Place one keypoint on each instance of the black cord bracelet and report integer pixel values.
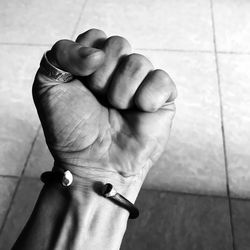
(66, 179)
(110, 193)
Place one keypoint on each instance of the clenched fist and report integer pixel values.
(110, 123)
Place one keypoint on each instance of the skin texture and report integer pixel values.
(110, 124)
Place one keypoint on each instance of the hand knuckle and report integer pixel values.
(59, 45)
(131, 63)
(135, 62)
(91, 32)
(137, 59)
(145, 102)
(96, 32)
(163, 76)
(167, 82)
(118, 42)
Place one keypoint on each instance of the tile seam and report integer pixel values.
(19, 181)
(143, 49)
(222, 125)
(9, 176)
(26, 44)
(233, 52)
(79, 19)
(175, 50)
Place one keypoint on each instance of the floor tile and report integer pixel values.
(20, 211)
(235, 78)
(193, 160)
(173, 24)
(34, 21)
(40, 159)
(7, 187)
(19, 120)
(179, 222)
(241, 223)
(232, 25)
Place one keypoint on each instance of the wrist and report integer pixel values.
(90, 180)
(73, 218)
(91, 221)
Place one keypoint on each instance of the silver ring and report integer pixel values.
(48, 69)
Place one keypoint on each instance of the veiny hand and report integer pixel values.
(114, 119)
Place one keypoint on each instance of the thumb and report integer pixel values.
(74, 58)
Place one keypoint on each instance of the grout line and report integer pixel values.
(186, 193)
(31, 177)
(19, 180)
(27, 44)
(246, 199)
(233, 52)
(79, 19)
(222, 125)
(44, 44)
(195, 51)
(9, 176)
(175, 50)
(143, 49)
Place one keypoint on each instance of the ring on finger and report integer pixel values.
(51, 71)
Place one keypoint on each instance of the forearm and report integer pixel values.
(75, 218)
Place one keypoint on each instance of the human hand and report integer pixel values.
(113, 120)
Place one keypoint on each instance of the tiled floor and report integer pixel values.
(204, 45)
(179, 222)
(188, 25)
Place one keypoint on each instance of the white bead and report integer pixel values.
(109, 193)
(67, 178)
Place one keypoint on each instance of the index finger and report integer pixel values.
(74, 58)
